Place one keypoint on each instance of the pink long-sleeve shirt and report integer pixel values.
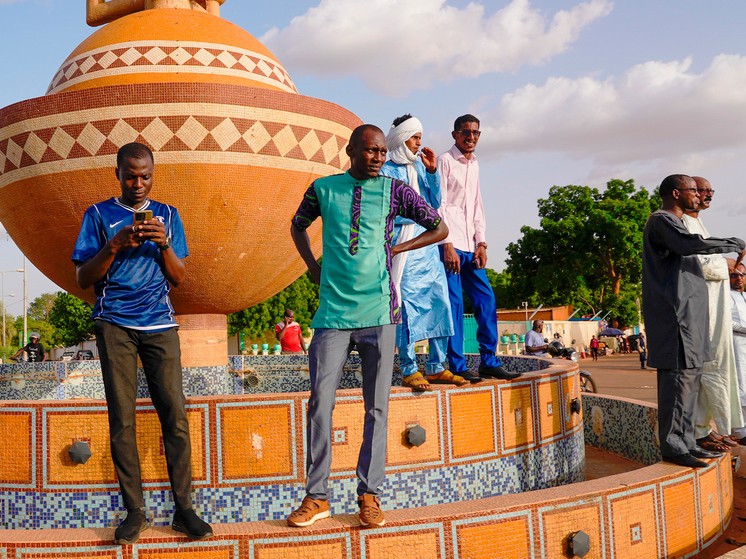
(461, 208)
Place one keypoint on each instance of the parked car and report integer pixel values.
(84, 355)
(67, 356)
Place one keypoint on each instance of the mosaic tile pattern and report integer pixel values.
(607, 422)
(659, 511)
(140, 57)
(270, 459)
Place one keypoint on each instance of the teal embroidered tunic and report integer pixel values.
(358, 215)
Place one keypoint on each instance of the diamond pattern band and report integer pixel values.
(205, 132)
(139, 57)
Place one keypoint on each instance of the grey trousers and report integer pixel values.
(327, 356)
(160, 354)
(677, 400)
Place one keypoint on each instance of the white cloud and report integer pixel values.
(654, 110)
(396, 46)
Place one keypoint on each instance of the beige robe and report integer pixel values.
(718, 397)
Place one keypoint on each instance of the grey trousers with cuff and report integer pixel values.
(327, 356)
(160, 354)
(677, 400)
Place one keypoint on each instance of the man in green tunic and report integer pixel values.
(357, 308)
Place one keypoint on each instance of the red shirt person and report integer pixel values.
(289, 335)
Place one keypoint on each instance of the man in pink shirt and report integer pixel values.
(464, 252)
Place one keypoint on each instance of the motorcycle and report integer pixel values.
(558, 350)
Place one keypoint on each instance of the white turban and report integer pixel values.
(399, 153)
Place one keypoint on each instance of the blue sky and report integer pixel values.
(568, 92)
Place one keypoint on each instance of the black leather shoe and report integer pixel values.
(686, 460)
(468, 375)
(187, 522)
(497, 372)
(700, 452)
(128, 532)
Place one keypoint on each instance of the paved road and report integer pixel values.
(620, 375)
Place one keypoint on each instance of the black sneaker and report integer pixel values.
(128, 532)
(497, 372)
(187, 522)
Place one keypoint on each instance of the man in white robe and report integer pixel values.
(718, 397)
(738, 298)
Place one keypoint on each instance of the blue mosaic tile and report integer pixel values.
(556, 464)
(245, 374)
(607, 422)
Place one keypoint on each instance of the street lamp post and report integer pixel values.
(2, 275)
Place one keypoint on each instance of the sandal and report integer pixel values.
(714, 443)
(447, 377)
(416, 382)
(726, 440)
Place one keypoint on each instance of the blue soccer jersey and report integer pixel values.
(134, 292)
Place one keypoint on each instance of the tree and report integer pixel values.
(72, 319)
(41, 307)
(302, 296)
(587, 251)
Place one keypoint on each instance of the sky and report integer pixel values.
(568, 92)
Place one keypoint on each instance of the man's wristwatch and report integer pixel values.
(166, 245)
(482, 244)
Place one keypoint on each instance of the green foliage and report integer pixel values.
(45, 329)
(41, 307)
(587, 252)
(302, 296)
(72, 319)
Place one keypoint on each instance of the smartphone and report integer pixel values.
(147, 215)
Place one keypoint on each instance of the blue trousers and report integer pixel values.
(477, 287)
(408, 360)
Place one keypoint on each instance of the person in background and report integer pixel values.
(738, 309)
(418, 275)
(594, 348)
(289, 334)
(535, 344)
(642, 350)
(34, 349)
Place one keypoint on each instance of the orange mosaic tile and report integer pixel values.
(333, 550)
(550, 412)
(559, 523)
(63, 429)
(16, 452)
(635, 527)
(726, 488)
(266, 441)
(709, 503)
(517, 417)
(387, 546)
(403, 414)
(206, 552)
(476, 407)
(478, 542)
(150, 446)
(347, 434)
(570, 392)
(681, 518)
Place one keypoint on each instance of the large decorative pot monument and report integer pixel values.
(235, 147)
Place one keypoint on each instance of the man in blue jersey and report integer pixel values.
(132, 267)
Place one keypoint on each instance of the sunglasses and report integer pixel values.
(735, 275)
(467, 133)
